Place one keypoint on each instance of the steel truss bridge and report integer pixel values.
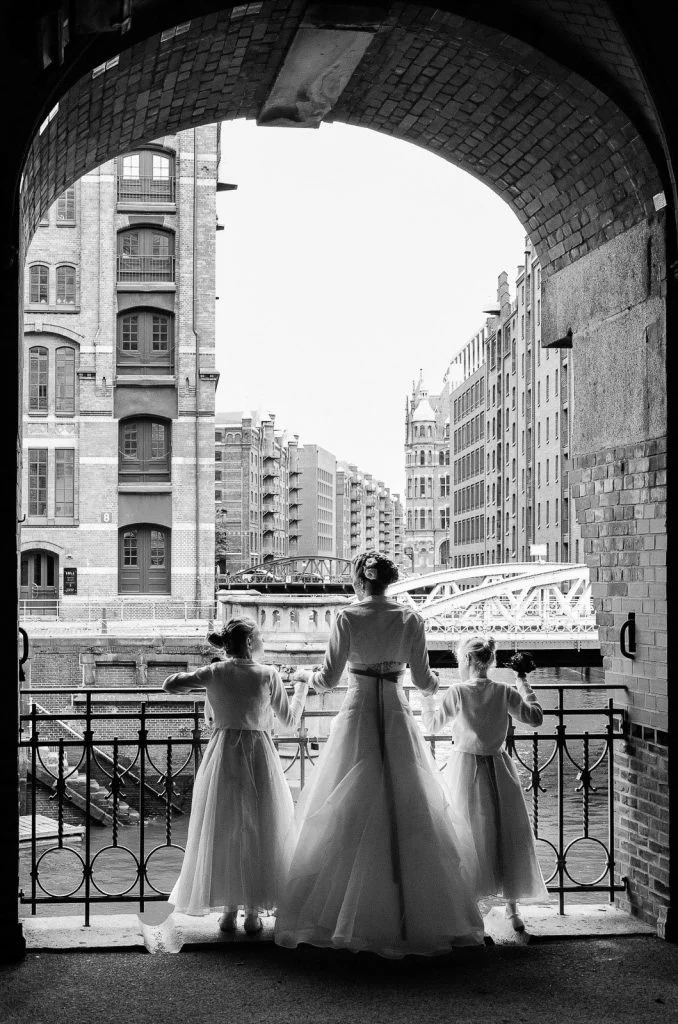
(314, 572)
(543, 605)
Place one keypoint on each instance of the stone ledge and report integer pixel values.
(158, 933)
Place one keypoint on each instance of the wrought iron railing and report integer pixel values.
(145, 190)
(145, 268)
(143, 611)
(129, 767)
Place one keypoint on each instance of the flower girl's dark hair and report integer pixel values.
(374, 568)
(232, 637)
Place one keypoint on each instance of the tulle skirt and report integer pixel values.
(241, 812)
(374, 861)
(486, 793)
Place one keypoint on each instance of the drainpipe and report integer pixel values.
(196, 337)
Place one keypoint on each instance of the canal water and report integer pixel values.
(114, 870)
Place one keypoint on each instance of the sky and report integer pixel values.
(349, 261)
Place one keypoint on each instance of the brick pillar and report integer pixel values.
(620, 499)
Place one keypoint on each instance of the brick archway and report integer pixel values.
(529, 103)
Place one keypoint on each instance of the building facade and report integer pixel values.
(508, 400)
(119, 386)
(427, 543)
(251, 490)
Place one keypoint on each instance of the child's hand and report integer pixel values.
(302, 676)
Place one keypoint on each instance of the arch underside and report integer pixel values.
(566, 157)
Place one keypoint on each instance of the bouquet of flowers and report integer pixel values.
(522, 662)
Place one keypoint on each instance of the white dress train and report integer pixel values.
(375, 862)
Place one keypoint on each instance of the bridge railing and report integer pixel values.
(127, 759)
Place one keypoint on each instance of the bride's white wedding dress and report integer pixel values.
(375, 861)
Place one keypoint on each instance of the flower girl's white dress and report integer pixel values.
(375, 862)
(483, 784)
(242, 808)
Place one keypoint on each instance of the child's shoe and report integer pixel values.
(253, 923)
(228, 921)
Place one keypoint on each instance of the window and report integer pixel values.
(145, 254)
(38, 284)
(37, 481)
(64, 481)
(444, 519)
(144, 560)
(65, 207)
(145, 342)
(64, 398)
(144, 453)
(146, 177)
(38, 375)
(65, 286)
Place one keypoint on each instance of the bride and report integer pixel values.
(375, 862)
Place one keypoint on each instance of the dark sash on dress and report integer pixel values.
(391, 677)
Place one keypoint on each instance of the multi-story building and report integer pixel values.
(313, 480)
(120, 380)
(251, 490)
(467, 398)
(510, 401)
(427, 473)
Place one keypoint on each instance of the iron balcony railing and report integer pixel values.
(145, 268)
(127, 757)
(146, 191)
(141, 612)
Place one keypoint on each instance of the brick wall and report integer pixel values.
(620, 500)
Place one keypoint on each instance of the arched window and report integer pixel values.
(145, 254)
(144, 560)
(146, 342)
(144, 451)
(422, 457)
(38, 378)
(146, 177)
(441, 458)
(64, 396)
(429, 432)
(65, 285)
(38, 288)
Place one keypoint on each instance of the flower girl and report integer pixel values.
(481, 778)
(242, 807)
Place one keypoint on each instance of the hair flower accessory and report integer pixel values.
(522, 662)
(370, 568)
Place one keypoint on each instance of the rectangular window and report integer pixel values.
(64, 398)
(64, 481)
(37, 481)
(65, 207)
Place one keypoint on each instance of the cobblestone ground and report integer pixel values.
(610, 980)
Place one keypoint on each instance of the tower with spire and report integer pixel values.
(427, 477)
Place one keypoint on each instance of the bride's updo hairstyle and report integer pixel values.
(232, 637)
(375, 570)
(479, 650)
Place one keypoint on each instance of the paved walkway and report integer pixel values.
(630, 979)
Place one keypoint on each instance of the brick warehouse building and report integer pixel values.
(568, 112)
(118, 405)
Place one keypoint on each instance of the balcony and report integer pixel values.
(150, 752)
(145, 269)
(146, 191)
